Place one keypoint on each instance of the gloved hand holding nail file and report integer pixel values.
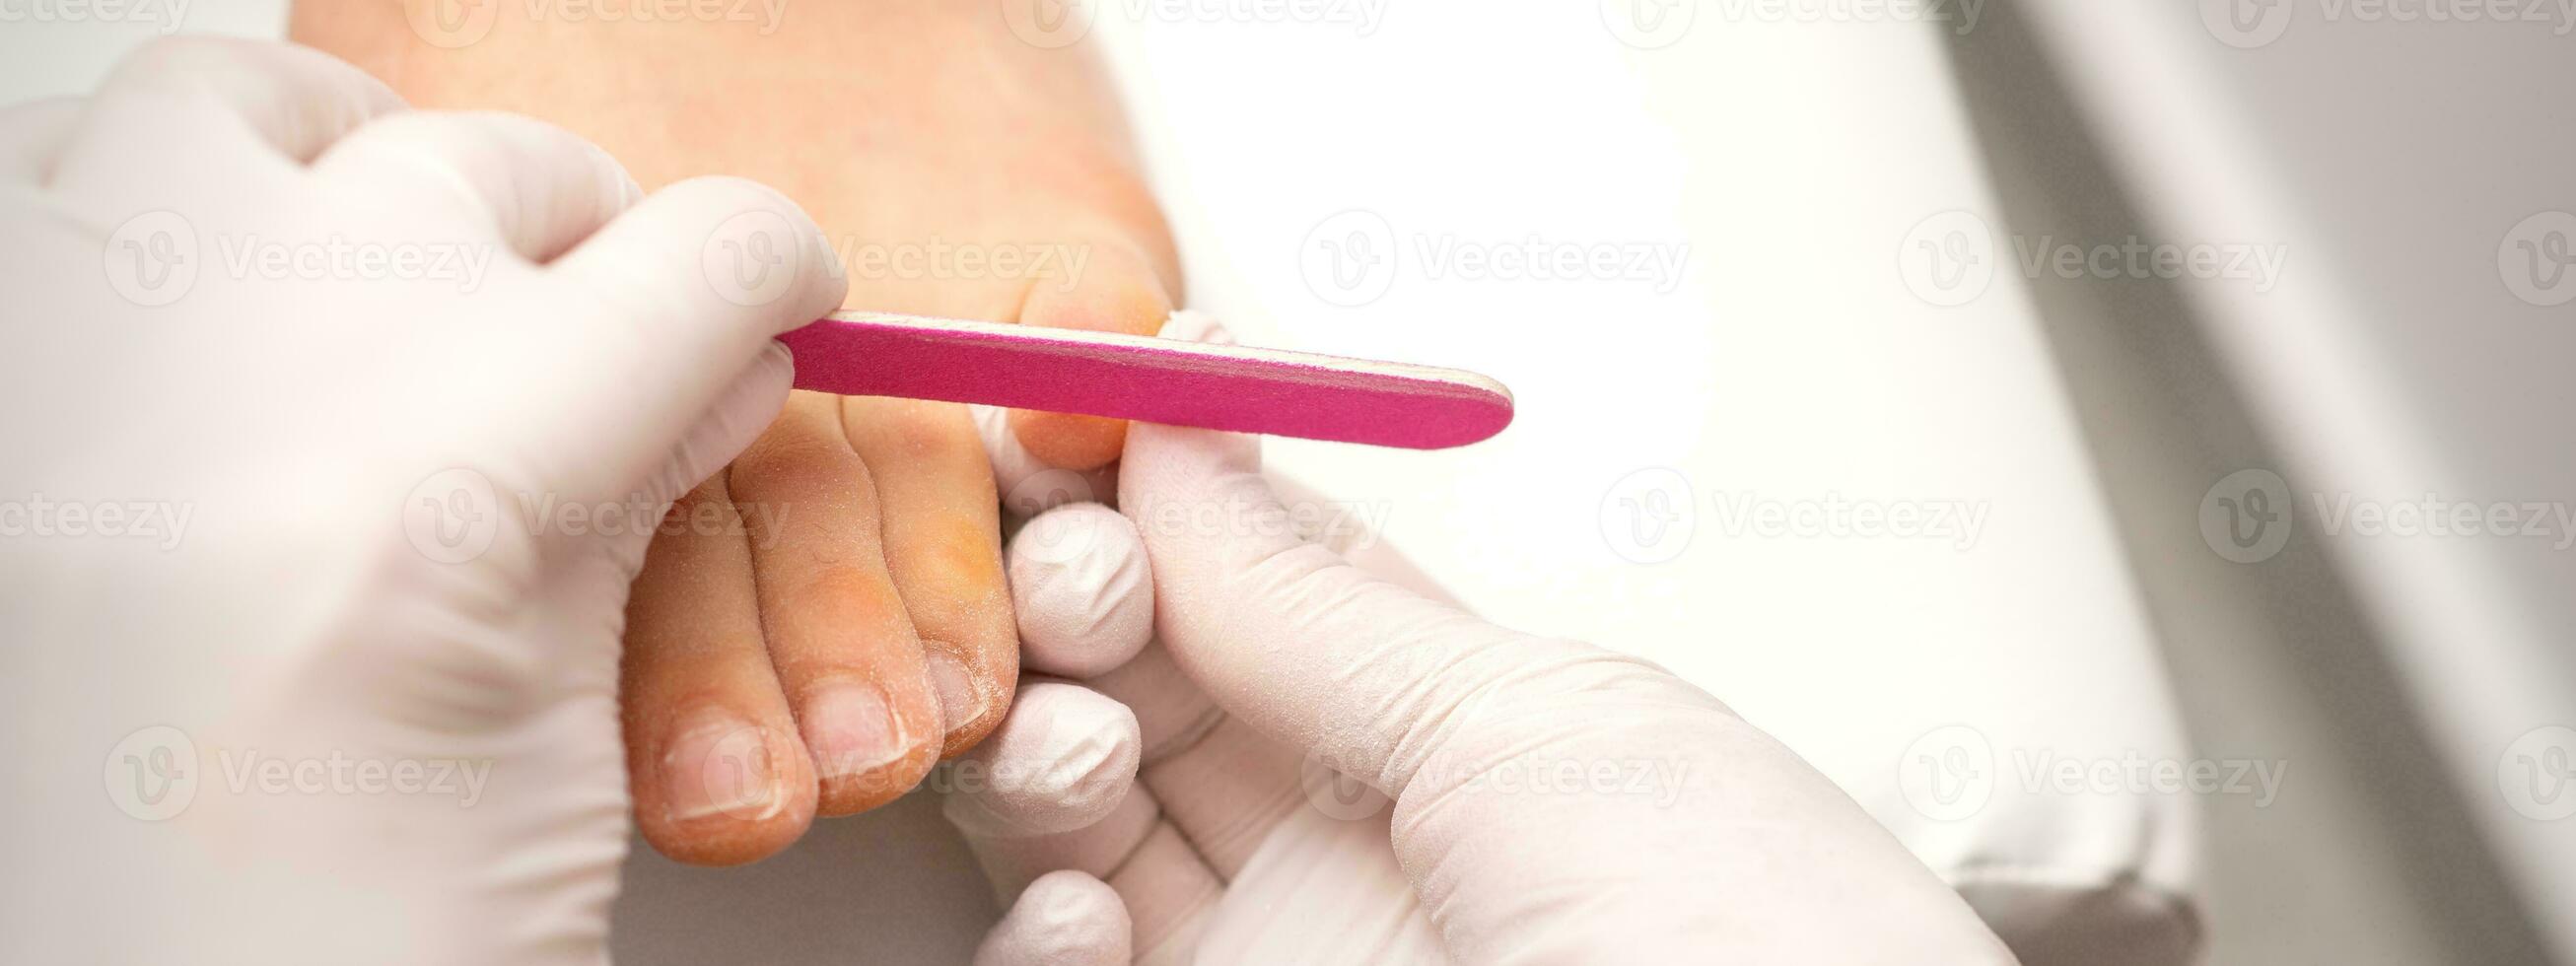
(1164, 381)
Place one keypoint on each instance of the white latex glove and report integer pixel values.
(1550, 801)
(326, 362)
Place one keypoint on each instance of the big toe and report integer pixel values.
(1116, 290)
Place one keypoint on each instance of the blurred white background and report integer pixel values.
(1764, 330)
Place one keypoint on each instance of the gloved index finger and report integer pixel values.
(1365, 674)
(671, 302)
(539, 188)
(295, 100)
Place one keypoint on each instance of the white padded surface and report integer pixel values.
(1790, 366)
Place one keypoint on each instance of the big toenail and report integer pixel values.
(719, 765)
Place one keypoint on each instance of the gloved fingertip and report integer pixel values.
(1177, 480)
(1064, 757)
(1082, 591)
(1065, 918)
(738, 415)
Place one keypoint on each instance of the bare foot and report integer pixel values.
(839, 621)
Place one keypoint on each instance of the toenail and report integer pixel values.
(960, 701)
(850, 729)
(719, 765)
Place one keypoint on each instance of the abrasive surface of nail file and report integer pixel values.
(1166, 381)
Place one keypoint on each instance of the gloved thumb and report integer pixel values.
(1554, 801)
(1370, 677)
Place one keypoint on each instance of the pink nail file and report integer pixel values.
(1155, 380)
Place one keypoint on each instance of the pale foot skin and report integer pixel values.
(821, 623)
